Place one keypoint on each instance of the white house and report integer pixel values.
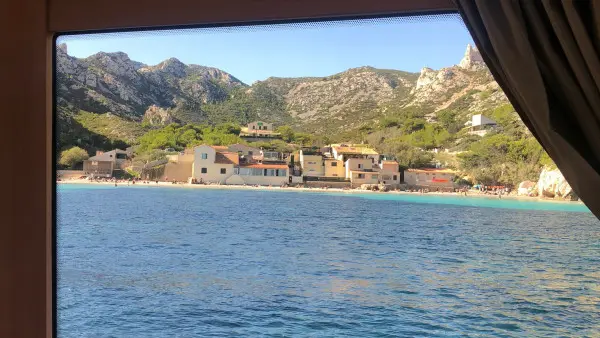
(480, 125)
(312, 164)
(213, 164)
(259, 130)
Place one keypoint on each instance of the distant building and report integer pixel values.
(333, 168)
(259, 131)
(247, 153)
(244, 150)
(430, 177)
(480, 125)
(177, 167)
(343, 152)
(275, 174)
(105, 164)
(389, 172)
(271, 156)
(214, 164)
(361, 171)
(312, 164)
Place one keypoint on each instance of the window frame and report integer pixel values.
(30, 234)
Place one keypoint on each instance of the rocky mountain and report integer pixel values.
(111, 82)
(174, 92)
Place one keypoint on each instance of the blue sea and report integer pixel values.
(147, 261)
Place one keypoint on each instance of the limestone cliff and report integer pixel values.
(552, 184)
(111, 82)
(158, 116)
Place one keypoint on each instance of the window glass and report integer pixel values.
(139, 256)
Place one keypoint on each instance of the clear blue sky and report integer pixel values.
(256, 53)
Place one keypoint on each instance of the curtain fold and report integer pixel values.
(545, 55)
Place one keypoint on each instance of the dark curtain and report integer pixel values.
(545, 56)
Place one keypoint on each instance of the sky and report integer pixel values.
(294, 50)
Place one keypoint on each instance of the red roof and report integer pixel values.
(226, 157)
(264, 166)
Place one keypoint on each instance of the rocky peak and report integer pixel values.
(172, 66)
(117, 63)
(63, 48)
(472, 59)
(426, 77)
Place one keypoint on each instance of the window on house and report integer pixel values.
(374, 177)
(334, 174)
(223, 171)
(395, 177)
(360, 166)
(361, 176)
(203, 170)
(204, 156)
(334, 164)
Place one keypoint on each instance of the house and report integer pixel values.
(430, 177)
(361, 171)
(259, 131)
(480, 125)
(343, 152)
(389, 172)
(260, 126)
(213, 164)
(104, 164)
(333, 168)
(247, 153)
(178, 167)
(274, 174)
(271, 156)
(311, 163)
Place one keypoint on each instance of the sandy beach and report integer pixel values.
(470, 193)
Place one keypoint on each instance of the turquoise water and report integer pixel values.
(485, 202)
(150, 261)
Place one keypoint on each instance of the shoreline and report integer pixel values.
(316, 190)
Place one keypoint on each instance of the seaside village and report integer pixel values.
(342, 166)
